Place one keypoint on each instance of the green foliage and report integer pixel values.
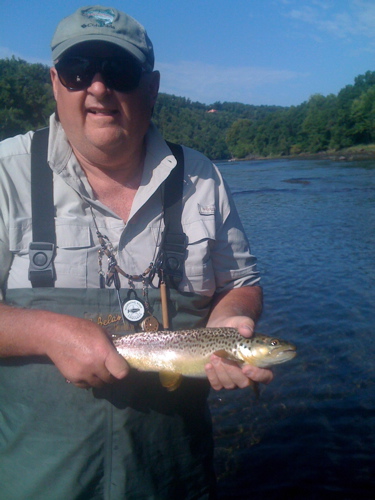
(239, 137)
(221, 130)
(315, 131)
(26, 99)
(363, 117)
(203, 127)
(320, 124)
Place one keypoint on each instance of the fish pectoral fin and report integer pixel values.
(255, 386)
(170, 380)
(227, 355)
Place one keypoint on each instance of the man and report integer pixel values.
(125, 437)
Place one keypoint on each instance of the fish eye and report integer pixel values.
(274, 342)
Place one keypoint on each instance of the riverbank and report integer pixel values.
(354, 153)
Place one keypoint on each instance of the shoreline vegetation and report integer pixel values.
(334, 127)
(354, 153)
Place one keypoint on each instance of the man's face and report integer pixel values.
(102, 124)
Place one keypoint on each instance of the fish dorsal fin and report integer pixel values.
(171, 381)
(227, 355)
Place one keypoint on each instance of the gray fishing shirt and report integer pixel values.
(218, 254)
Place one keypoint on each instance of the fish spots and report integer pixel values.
(187, 351)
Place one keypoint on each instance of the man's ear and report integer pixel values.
(154, 84)
(54, 80)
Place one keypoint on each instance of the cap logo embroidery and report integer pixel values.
(102, 17)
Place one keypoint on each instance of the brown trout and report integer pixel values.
(186, 352)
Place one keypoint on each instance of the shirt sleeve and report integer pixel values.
(14, 195)
(5, 254)
(233, 262)
(218, 253)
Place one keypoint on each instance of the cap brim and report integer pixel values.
(59, 50)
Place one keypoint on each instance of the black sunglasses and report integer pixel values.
(120, 74)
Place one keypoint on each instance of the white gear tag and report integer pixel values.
(133, 310)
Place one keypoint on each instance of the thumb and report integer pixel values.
(116, 365)
(246, 327)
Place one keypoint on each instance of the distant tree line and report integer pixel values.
(221, 130)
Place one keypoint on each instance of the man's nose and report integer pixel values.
(98, 84)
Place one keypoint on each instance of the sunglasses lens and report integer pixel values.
(123, 76)
(75, 73)
(120, 74)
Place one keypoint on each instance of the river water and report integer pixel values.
(311, 434)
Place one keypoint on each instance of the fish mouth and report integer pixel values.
(286, 354)
(278, 356)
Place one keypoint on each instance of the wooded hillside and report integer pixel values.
(221, 130)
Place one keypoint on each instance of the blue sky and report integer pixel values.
(252, 51)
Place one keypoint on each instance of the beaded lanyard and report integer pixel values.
(132, 309)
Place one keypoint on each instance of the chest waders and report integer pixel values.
(131, 440)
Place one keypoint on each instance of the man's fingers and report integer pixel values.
(225, 374)
(262, 375)
(116, 365)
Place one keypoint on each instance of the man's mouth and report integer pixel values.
(102, 112)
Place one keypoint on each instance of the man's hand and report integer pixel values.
(79, 348)
(226, 374)
(83, 353)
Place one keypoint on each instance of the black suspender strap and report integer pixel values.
(42, 248)
(174, 239)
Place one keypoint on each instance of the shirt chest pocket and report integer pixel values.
(199, 271)
(74, 254)
(72, 259)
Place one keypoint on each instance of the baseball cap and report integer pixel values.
(107, 24)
